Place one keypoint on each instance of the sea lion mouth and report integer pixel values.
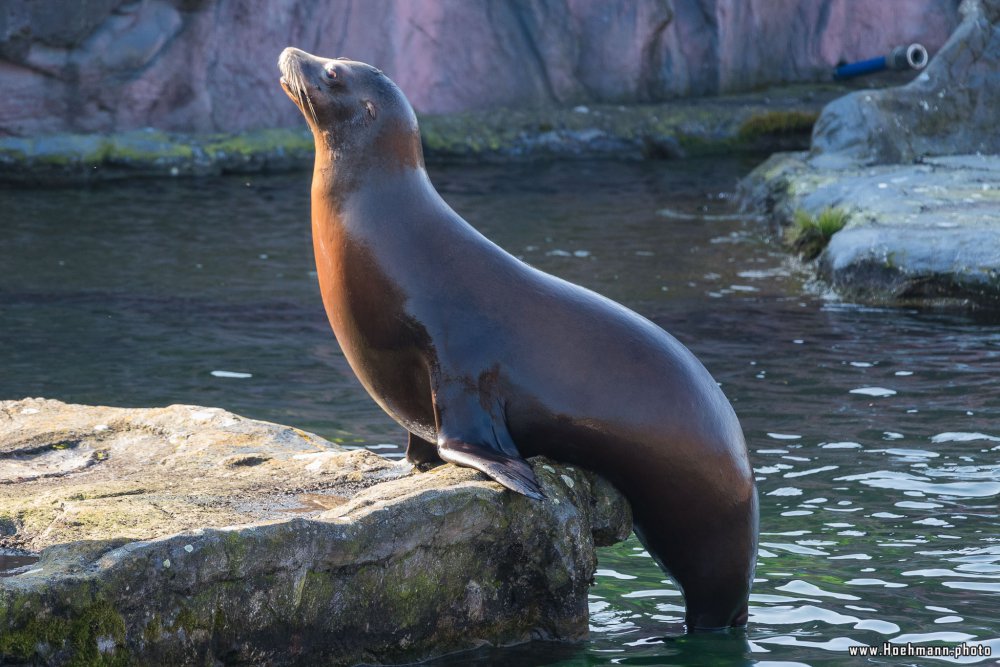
(293, 81)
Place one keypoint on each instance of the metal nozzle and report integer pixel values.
(913, 56)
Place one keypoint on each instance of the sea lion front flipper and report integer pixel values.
(514, 473)
(472, 432)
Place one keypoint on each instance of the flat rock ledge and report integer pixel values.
(191, 535)
(777, 119)
(924, 233)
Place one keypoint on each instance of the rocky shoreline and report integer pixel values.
(190, 535)
(778, 119)
(914, 172)
(925, 233)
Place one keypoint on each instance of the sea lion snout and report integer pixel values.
(290, 65)
(307, 80)
(284, 60)
(291, 55)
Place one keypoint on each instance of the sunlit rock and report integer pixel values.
(915, 233)
(192, 535)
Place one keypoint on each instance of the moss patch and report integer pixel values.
(809, 234)
(777, 123)
(94, 635)
(186, 620)
(258, 142)
(153, 630)
(147, 146)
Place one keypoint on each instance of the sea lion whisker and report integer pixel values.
(303, 93)
(294, 83)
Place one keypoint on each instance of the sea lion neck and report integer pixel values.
(340, 186)
(348, 158)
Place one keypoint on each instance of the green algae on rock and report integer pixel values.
(770, 120)
(69, 159)
(196, 538)
(777, 130)
(776, 119)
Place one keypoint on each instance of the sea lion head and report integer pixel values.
(356, 113)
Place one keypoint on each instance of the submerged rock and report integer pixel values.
(189, 535)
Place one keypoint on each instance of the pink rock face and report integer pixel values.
(202, 66)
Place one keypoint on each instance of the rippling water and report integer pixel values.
(874, 433)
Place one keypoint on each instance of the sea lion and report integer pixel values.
(485, 360)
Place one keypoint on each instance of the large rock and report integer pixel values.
(926, 233)
(916, 169)
(951, 108)
(209, 66)
(190, 535)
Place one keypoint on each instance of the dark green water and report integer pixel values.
(875, 433)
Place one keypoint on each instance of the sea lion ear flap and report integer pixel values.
(370, 108)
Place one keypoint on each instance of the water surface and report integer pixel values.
(875, 433)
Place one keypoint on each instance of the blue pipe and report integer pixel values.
(913, 56)
(860, 68)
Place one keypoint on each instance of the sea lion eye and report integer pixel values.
(330, 72)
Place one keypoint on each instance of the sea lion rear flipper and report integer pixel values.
(513, 473)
